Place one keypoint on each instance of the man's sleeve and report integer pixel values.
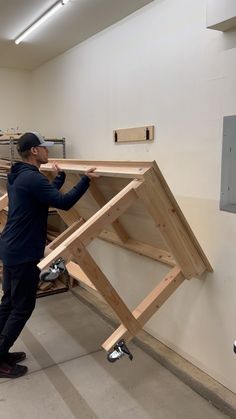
(48, 194)
(59, 180)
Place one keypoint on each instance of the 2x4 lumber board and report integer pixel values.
(120, 231)
(65, 234)
(101, 283)
(3, 220)
(182, 217)
(77, 273)
(3, 201)
(69, 217)
(170, 226)
(103, 168)
(5, 163)
(100, 200)
(94, 225)
(149, 306)
(141, 248)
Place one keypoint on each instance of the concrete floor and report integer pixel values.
(69, 376)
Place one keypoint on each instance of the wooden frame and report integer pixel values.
(138, 182)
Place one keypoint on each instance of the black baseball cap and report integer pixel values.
(32, 139)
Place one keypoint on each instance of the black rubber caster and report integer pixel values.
(54, 271)
(120, 349)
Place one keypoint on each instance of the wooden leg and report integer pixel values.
(148, 306)
(101, 283)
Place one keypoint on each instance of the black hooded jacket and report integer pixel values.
(30, 195)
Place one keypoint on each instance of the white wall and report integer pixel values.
(15, 103)
(15, 99)
(220, 10)
(159, 66)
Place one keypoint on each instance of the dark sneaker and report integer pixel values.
(15, 357)
(12, 371)
(234, 347)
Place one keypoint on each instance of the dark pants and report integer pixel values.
(19, 287)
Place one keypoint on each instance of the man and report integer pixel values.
(23, 240)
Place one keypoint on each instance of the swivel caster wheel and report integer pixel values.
(120, 349)
(113, 356)
(54, 271)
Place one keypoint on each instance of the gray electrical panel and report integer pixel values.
(228, 167)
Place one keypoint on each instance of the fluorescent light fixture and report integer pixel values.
(57, 6)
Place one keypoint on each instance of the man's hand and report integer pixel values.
(56, 169)
(90, 173)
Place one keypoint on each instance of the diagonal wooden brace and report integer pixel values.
(64, 235)
(3, 201)
(103, 286)
(144, 311)
(100, 200)
(91, 228)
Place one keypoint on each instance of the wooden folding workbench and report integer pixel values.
(112, 210)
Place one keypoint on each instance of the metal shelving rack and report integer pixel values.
(12, 139)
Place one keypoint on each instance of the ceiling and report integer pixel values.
(72, 24)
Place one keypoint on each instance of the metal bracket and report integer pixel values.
(120, 349)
